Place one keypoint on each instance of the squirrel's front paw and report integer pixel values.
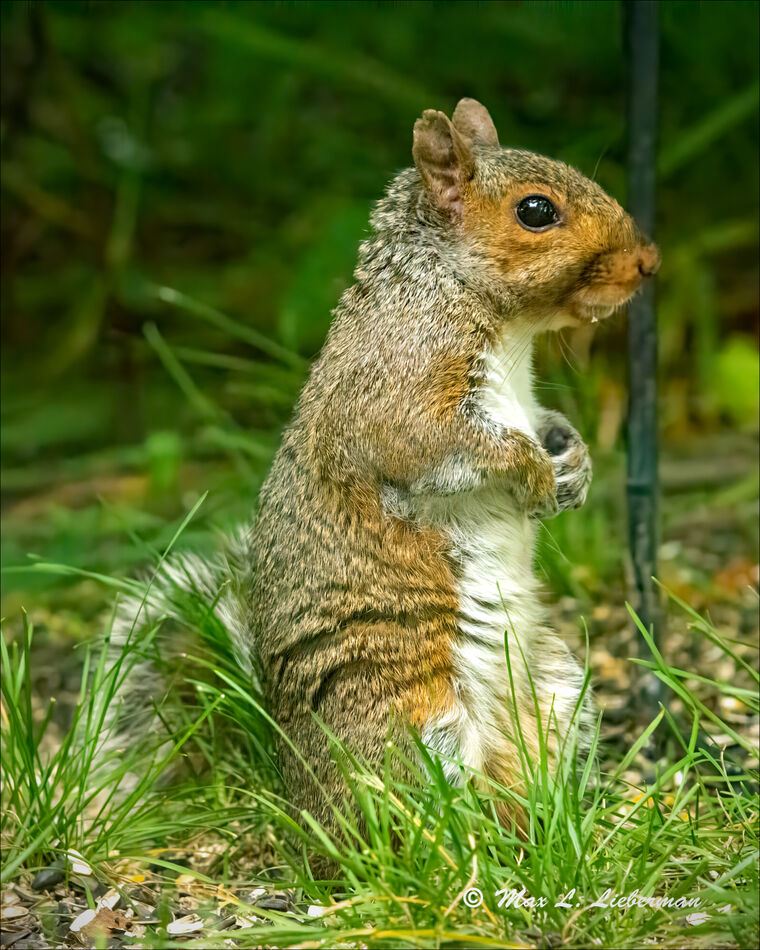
(535, 488)
(570, 458)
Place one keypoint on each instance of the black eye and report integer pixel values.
(536, 213)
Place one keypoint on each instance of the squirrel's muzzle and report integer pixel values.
(648, 260)
(612, 278)
(625, 268)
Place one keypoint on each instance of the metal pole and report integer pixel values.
(641, 46)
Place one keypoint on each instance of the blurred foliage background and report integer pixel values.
(184, 186)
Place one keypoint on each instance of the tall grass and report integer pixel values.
(416, 863)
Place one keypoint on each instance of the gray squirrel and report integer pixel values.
(393, 545)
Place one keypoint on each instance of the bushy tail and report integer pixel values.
(191, 604)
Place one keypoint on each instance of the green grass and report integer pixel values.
(56, 795)
(689, 831)
(64, 793)
(408, 854)
(173, 258)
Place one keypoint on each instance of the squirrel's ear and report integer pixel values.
(443, 159)
(474, 123)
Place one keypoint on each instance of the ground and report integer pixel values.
(221, 884)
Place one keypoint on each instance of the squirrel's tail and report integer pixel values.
(190, 606)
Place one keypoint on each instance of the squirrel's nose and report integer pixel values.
(649, 260)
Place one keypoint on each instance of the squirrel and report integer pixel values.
(388, 574)
(395, 534)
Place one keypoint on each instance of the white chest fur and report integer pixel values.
(493, 543)
(507, 391)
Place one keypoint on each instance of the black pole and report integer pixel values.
(642, 57)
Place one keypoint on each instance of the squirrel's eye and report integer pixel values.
(536, 213)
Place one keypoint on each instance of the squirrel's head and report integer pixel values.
(562, 248)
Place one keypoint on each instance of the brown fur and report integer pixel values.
(354, 606)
